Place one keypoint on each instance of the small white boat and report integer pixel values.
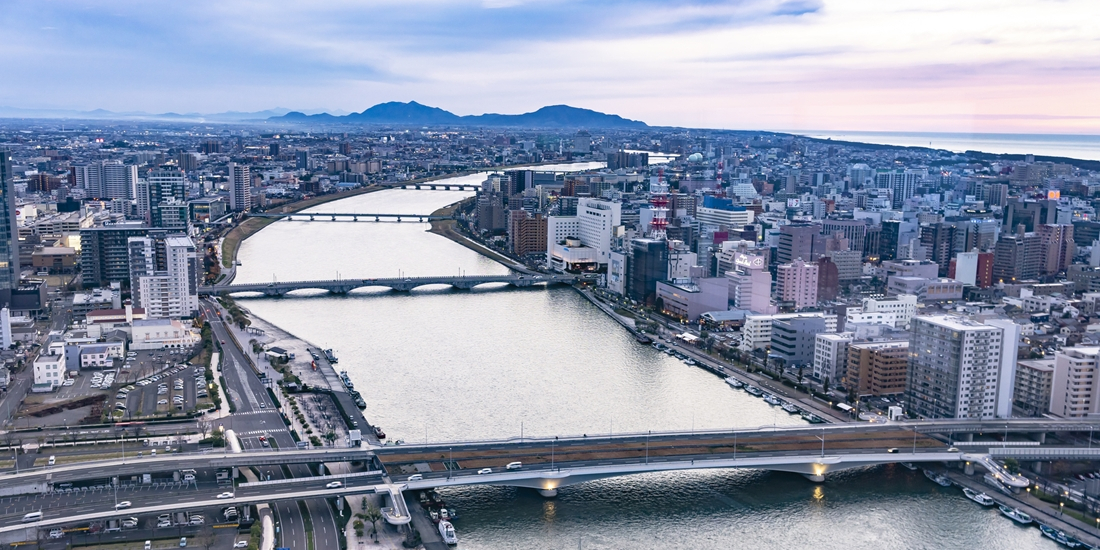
(771, 400)
(980, 498)
(734, 383)
(790, 408)
(447, 531)
(1015, 514)
(909, 466)
(753, 390)
(689, 362)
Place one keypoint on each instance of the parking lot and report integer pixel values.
(176, 390)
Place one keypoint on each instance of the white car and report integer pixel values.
(123, 504)
(415, 477)
(334, 485)
(240, 544)
(485, 471)
(68, 382)
(226, 495)
(162, 402)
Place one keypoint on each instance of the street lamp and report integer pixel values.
(552, 443)
(647, 446)
(822, 438)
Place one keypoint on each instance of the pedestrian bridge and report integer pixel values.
(400, 284)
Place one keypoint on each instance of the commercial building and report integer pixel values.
(793, 340)
(648, 264)
(1058, 247)
(240, 187)
(750, 284)
(164, 273)
(831, 356)
(582, 241)
(167, 186)
(1032, 389)
(939, 240)
(161, 334)
(796, 241)
(899, 310)
(929, 290)
(797, 283)
(9, 241)
(690, 298)
(972, 268)
(877, 368)
(1017, 257)
(49, 367)
(853, 230)
(849, 265)
(957, 368)
(723, 212)
(757, 330)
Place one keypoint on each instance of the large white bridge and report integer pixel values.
(400, 284)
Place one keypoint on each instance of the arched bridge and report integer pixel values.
(352, 216)
(400, 284)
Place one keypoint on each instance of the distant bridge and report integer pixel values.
(353, 216)
(400, 284)
(433, 186)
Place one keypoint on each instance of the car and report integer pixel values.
(68, 382)
(484, 471)
(56, 533)
(514, 466)
(333, 485)
(240, 544)
(148, 545)
(164, 517)
(225, 495)
(129, 523)
(162, 402)
(165, 523)
(952, 450)
(123, 504)
(183, 542)
(415, 477)
(892, 450)
(51, 461)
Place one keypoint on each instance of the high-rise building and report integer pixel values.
(1074, 389)
(889, 239)
(527, 233)
(105, 253)
(648, 264)
(902, 183)
(750, 285)
(722, 212)
(1058, 247)
(828, 279)
(1017, 257)
(960, 368)
(793, 340)
(188, 162)
(301, 159)
(853, 230)
(797, 282)
(109, 179)
(939, 239)
(796, 241)
(1031, 214)
(240, 187)
(166, 186)
(877, 368)
(973, 268)
(9, 233)
(164, 273)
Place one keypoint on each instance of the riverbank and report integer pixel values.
(449, 230)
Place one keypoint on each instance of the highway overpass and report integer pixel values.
(349, 216)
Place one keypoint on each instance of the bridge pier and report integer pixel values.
(968, 468)
(548, 493)
(816, 478)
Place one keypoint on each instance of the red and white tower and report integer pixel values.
(658, 204)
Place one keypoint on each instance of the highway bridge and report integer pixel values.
(400, 284)
(432, 186)
(546, 464)
(350, 216)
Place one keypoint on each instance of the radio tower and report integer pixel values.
(658, 203)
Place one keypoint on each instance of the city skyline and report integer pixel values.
(756, 64)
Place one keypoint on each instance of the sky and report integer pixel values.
(1017, 66)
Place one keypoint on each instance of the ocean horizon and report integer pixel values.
(1078, 146)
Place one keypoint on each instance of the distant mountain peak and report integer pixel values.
(412, 112)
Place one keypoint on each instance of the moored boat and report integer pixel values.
(771, 400)
(790, 408)
(753, 390)
(909, 466)
(379, 433)
(1015, 514)
(643, 339)
(447, 531)
(734, 383)
(980, 498)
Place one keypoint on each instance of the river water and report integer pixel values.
(440, 364)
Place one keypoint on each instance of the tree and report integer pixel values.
(373, 515)
(204, 428)
(825, 385)
(1012, 465)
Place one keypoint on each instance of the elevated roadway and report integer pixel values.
(350, 216)
(401, 284)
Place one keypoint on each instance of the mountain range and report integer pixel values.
(395, 112)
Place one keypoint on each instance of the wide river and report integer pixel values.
(440, 364)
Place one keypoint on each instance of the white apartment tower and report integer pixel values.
(164, 274)
(240, 188)
(1074, 391)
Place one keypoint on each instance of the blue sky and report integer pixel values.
(931, 65)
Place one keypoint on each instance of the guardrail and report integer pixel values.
(333, 477)
(1045, 453)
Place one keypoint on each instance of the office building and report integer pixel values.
(750, 284)
(1075, 388)
(688, 299)
(939, 240)
(9, 232)
(240, 187)
(889, 238)
(796, 283)
(831, 356)
(757, 330)
(164, 273)
(853, 230)
(849, 265)
(1017, 257)
(901, 183)
(1030, 214)
(796, 241)
(167, 186)
(828, 279)
(527, 233)
(722, 212)
(793, 340)
(960, 368)
(972, 268)
(877, 368)
(582, 241)
(648, 264)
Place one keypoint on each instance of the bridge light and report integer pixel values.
(819, 469)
